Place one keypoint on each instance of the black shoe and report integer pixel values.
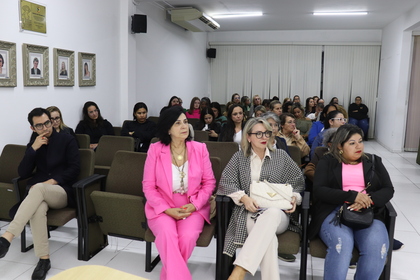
(41, 269)
(397, 245)
(287, 257)
(4, 247)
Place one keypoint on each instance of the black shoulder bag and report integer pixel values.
(362, 218)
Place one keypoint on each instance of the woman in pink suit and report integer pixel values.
(178, 182)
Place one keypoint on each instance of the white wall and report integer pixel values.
(394, 80)
(299, 36)
(82, 26)
(170, 61)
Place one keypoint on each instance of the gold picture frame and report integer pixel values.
(87, 69)
(63, 67)
(36, 69)
(7, 64)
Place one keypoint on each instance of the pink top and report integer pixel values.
(194, 115)
(353, 178)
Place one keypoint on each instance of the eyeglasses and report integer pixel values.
(259, 134)
(340, 119)
(56, 119)
(39, 126)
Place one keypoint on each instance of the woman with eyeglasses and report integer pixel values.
(232, 131)
(277, 142)
(253, 228)
(93, 124)
(333, 119)
(292, 135)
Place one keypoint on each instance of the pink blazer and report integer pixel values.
(157, 179)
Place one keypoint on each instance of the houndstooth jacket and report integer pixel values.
(280, 169)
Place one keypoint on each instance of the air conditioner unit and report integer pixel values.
(192, 19)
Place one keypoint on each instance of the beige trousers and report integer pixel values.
(261, 245)
(34, 209)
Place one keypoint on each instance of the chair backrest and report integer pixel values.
(87, 163)
(117, 130)
(193, 122)
(108, 145)
(216, 165)
(201, 136)
(295, 154)
(83, 140)
(154, 140)
(153, 119)
(222, 150)
(10, 159)
(126, 173)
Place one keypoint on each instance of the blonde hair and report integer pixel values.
(245, 145)
(55, 109)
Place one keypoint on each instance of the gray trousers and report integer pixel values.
(34, 209)
(261, 245)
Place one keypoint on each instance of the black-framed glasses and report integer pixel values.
(55, 119)
(39, 126)
(259, 134)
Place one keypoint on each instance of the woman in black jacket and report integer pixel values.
(93, 124)
(345, 176)
(207, 123)
(141, 129)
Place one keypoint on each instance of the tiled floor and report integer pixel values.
(128, 256)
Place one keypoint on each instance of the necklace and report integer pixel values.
(181, 173)
(180, 156)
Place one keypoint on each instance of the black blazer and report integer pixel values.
(328, 189)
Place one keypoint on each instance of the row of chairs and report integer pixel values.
(105, 201)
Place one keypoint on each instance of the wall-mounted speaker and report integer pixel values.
(211, 53)
(139, 23)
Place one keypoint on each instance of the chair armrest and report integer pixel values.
(19, 188)
(82, 184)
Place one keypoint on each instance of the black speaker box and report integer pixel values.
(211, 53)
(139, 24)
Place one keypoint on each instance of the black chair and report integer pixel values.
(318, 249)
(289, 242)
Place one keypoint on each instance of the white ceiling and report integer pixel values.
(297, 14)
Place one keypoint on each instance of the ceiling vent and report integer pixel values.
(192, 19)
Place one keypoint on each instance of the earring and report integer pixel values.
(340, 152)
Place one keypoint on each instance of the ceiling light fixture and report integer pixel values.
(340, 13)
(254, 14)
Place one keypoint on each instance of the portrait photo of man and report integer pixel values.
(3, 65)
(35, 70)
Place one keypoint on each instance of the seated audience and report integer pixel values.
(57, 123)
(302, 123)
(291, 134)
(266, 104)
(52, 163)
(358, 115)
(259, 110)
(318, 126)
(333, 119)
(175, 100)
(232, 131)
(276, 142)
(256, 101)
(345, 176)
(310, 108)
(287, 107)
(252, 227)
(93, 124)
(275, 107)
(217, 111)
(296, 99)
(194, 111)
(208, 123)
(246, 105)
(178, 182)
(141, 129)
(204, 103)
(236, 99)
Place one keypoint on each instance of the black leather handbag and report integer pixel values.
(362, 218)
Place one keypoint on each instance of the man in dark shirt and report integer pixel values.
(358, 115)
(35, 70)
(54, 157)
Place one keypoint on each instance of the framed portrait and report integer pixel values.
(63, 67)
(35, 65)
(7, 64)
(87, 69)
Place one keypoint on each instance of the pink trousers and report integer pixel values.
(175, 241)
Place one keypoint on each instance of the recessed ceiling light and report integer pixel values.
(233, 15)
(339, 13)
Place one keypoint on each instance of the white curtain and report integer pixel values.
(266, 70)
(351, 71)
